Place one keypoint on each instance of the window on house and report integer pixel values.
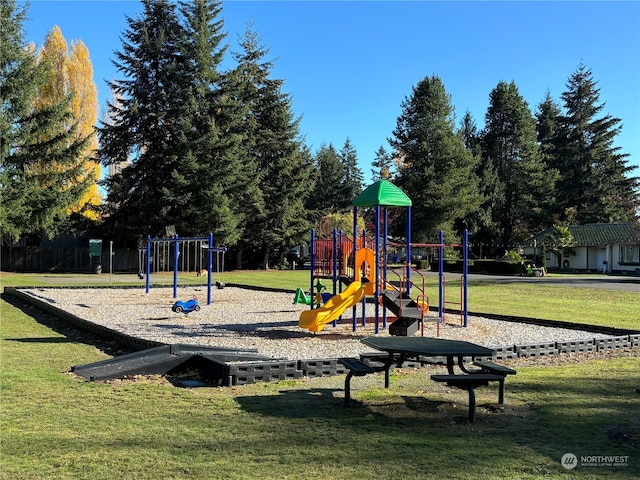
(629, 254)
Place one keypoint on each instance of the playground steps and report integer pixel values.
(407, 310)
(404, 327)
(401, 305)
(221, 366)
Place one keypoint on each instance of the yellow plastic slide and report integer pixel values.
(316, 319)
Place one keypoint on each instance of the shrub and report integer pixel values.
(513, 256)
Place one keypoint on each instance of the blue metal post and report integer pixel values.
(355, 250)
(335, 266)
(342, 272)
(465, 273)
(384, 263)
(148, 262)
(176, 253)
(313, 264)
(377, 266)
(441, 275)
(209, 268)
(335, 259)
(408, 233)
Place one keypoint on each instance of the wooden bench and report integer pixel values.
(356, 368)
(469, 383)
(490, 367)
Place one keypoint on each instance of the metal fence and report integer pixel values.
(65, 259)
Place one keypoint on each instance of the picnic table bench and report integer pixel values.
(395, 350)
(469, 382)
(356, 368)
(490, 367)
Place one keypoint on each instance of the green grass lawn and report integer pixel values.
(56, 426)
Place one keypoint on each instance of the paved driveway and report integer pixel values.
(607, 282)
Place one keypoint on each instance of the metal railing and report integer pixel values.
(405, 285)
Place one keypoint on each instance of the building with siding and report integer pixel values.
(599, 247)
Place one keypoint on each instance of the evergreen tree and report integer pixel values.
(479, 223)
(470, 133)
(485, 224)
(353, 177)
(382, 164)
(328, 194)
(283, 164)
(152, 124)
(39, 147)
(17, 84)
(594, 174)
(509, 143)
(242, 90)
(437, 170)
(226, 191)
(547, 124)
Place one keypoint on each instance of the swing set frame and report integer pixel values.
(176, 242)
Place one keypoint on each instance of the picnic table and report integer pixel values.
(406, 348)
(401, 349)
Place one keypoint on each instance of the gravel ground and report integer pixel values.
(266, 321)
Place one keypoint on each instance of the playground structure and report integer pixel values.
(439, 247)
(342, 267)
(360, 264)
(189, 254)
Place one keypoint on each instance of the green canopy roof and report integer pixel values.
(383, 193)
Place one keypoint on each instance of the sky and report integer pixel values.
(348, 65)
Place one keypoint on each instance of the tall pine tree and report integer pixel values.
(595, 181)
(511, 151)
(39, 146)
(470, 133)
(226, 185)
(381, 165)
(283, 163)
(547, 124)
(479, 222)
(353, 177)
(437, 172)
(328, 195)
(151, 124)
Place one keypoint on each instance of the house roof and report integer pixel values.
(591, 235)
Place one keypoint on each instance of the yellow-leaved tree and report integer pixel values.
(72, 75)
